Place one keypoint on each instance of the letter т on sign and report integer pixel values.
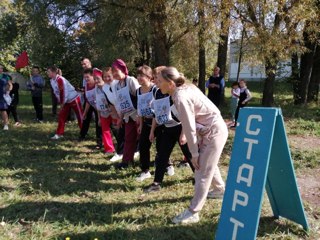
(260, 160)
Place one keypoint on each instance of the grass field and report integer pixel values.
(59, 189)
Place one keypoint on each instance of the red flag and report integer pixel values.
(22, 60)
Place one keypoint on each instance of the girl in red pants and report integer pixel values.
(126, 97)
(104, 110)
(68, 98)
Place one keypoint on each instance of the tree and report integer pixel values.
(270, 26)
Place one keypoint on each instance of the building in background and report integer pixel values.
(251, 69)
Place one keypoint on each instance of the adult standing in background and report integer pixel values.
(215, 85)
(85, 64)
(36, 86)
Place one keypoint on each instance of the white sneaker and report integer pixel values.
(215, 194)
(143, 176)
(116, 157)
(186, 217)
(136, 155)
(170, 170)
(56, 137)
(5, 127)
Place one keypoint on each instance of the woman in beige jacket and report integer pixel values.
(206, 134)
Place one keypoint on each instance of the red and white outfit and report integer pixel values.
(68, 97)
(102, 106)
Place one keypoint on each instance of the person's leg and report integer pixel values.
(187, 155)
(98, 128)
(37, 103)
(130, 141)
(5, 118)
(119, 136)
(40, 109)
(210, 152)
(106, 134)
(63, 114)
(145, 145)
(14, 113)
(9, 110)
(169, 138)
(77, 109)
(54, 103)
(86, 123)
(34, 103)
(234, 104)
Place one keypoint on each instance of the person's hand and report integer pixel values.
(244, 102)
(139, 128)
(195, 162)
(151, 136)
(182, 139)
(119, 123)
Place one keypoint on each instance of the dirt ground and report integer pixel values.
(308, 179)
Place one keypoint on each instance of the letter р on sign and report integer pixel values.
(260, 160)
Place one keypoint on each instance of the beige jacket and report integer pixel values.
(196, 113)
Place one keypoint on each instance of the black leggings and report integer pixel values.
(86, 124)
(13, 109)
(145, 145)
(167, 140)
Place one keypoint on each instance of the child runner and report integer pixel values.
(109, 90)
(5, 87)
(67, 97)
(171, 133)
(14, 94)
(89, 95)
(102, 105)
(235, 94)
(244, 98)
(126, 90)
(145, 96)
(198, 116)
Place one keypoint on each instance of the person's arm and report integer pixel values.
(9, 86)
(133, 85)
(61, 90)
(207, 83)
(182, 138)
(153, 127)
(139, 122)
(222, 84)
(187, 118)
(249, 96)
(86, 109)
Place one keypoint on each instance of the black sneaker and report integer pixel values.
(122, 165)
(154, 187)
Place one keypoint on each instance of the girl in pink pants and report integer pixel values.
(206, 134)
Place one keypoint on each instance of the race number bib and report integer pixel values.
(162, 110)
(144, 104)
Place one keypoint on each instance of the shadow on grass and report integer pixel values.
(83, 213)
(202, 230)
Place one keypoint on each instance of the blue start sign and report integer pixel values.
(260, 160)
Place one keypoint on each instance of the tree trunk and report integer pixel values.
(202, 48)
(295, 74)
(306, 65)
(159, 36)
(313, 91)
(223, 43)
(268, 99)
